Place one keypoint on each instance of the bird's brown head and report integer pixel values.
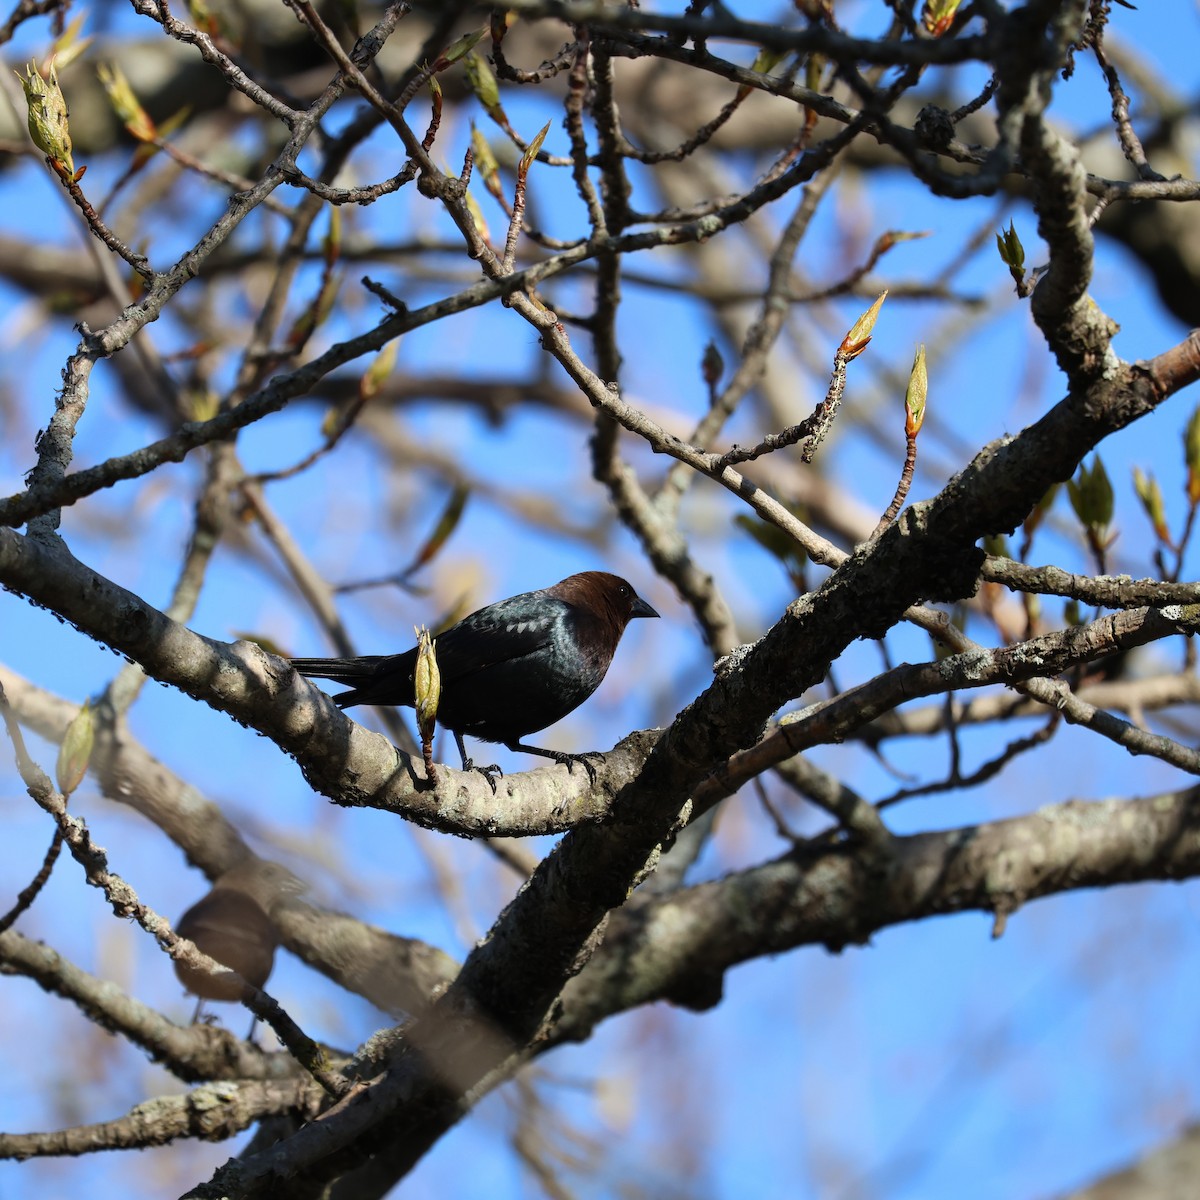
(608, 596)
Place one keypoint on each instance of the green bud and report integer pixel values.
(1150, 494)
(315, 314)
(1040, 509)
(446, 524)
(201, 404)
(463, 46)
(76, 751)
(914, 397)
(376, 374)
(1092, 499)
(1012, 253)
(855, 342)
(814, 65)
(938, 15)
(332, 242)
(427, 684)
(125, 104)
(1191, 456)
(1092, 495)
(996, 544)
(47, 115)
(532, 152)
(477, 216)
(765, 61)
(482, 80)
(485, 162)
(68, 46)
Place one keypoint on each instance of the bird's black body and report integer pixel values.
(509, 669)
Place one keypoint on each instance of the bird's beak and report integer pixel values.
(641, 609)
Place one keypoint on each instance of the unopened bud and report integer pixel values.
(485, 162)
(1191, 456)
(765, 61)
(1038, 513)
(996, 544)
(125, 104)
(1150, 494)
(376, 375)
(482, 80)
(463, 46)
(75, 752)
(855, 342)
(814, 65)
(531, 151)
(47, 114)
(939, 15)
(477, 216)
(427, 684)
(914, 396)
(1012, 252)
(1091, 497)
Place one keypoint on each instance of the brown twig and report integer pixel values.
(906, 478)
(24, 11)
(988, 770)
(29, 893)
(32, 777)
(139, 262)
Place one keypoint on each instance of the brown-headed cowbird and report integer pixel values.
(509, 669)
(233, 925)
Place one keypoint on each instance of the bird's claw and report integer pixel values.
(491, 772)
(569, 761)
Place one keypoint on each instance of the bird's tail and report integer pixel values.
(340, 670)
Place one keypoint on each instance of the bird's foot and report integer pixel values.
(562, 757)
(491, 772)
(569, 761)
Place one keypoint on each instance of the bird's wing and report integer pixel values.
(501, 633)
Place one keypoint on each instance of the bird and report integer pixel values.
(509, 669)
(232, 924)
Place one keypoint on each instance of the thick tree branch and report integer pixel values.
(213, 1112)
(194, 1053)
(679, 947)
